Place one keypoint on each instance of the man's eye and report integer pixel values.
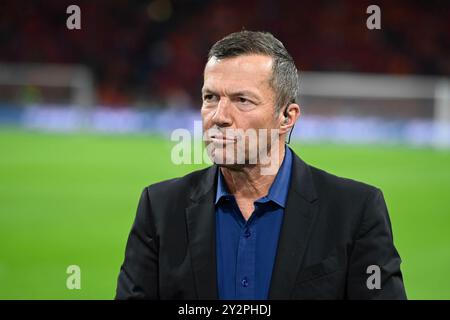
(208, 97)
(243, 100)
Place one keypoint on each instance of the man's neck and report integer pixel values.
(248, 182)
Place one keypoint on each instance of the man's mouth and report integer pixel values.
(223, 139)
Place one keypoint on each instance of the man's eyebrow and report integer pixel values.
(244, 93)
(207, 90)
(233, 93)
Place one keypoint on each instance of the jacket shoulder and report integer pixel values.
(349, 206)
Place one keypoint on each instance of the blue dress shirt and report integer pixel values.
(246, 250)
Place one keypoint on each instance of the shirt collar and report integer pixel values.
(278, 191)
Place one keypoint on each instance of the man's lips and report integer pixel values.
(222, 139)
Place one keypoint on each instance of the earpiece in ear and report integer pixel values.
(286, 118)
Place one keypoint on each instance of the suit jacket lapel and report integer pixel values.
(298, 220)
(201, 224)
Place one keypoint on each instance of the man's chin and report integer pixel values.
(231, 160)
(231, 166)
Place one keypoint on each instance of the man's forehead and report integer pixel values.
(255, 69)
(248, 62)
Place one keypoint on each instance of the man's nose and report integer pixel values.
(222, 116)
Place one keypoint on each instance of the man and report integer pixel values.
(233, 231)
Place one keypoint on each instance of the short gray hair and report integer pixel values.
(284, 80)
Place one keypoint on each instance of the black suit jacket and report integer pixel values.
(333, 230)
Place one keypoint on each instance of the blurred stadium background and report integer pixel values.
(86, 116)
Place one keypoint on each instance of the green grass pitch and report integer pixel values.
(71, 198)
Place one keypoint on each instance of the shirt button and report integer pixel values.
(244, 282)
(247, 233)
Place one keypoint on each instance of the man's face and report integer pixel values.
(237, 95)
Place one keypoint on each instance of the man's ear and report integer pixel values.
(289, 117)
